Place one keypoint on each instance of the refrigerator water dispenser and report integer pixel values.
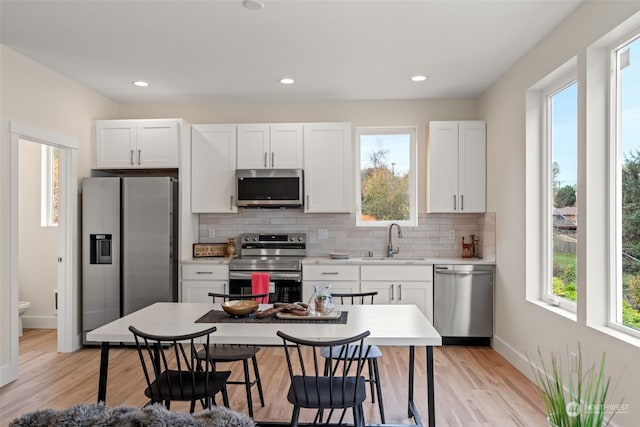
(100, 249)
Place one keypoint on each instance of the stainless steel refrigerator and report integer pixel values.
(129, 246)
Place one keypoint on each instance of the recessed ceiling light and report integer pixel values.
(140, 83)
(287, 81)
(419, 78)
(253, 4)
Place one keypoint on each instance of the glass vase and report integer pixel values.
(321, 301)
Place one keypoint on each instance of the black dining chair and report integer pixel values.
(314, 387)
(174, 371)
(373, 352)
(239, 353)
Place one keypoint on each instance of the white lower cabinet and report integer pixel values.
(407, 284)
(342, 278)
(199, 280)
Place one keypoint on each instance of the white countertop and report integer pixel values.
(395, 261)
(327, 260)
(208, 260)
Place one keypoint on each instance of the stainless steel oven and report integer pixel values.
(280, 255)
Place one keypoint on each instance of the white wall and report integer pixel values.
(522, 327)
(37, 246)
(38, 97)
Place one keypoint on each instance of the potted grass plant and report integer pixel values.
(577, 400)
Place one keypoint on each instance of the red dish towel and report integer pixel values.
(260, 285)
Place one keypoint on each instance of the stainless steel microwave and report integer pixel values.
(269, 188)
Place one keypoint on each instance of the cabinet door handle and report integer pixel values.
(204, 272)
(462, 202)
(273, 160)
(139, 157)
(265, 159)
(231, 202)
(132, 163)
(454, 202)
(392, 293)
(399, 293)
(307, 207)
(330, 272)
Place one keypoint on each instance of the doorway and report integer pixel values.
(68, 324)
(38, 235)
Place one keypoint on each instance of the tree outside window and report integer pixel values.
(387, 181)
(49, 197)
(562, 119)
(627, 144)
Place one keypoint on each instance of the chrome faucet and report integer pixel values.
(390, 250)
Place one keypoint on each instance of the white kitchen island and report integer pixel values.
(390, 325)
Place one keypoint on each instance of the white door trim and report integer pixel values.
(68, 291)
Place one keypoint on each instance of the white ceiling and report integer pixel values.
(217, 50)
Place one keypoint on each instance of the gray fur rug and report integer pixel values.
(98, 414)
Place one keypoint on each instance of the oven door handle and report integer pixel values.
(273, 275)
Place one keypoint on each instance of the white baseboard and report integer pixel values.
(513, 356)
(7, 374)
(39, 322)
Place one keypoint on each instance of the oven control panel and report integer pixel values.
(274, 239)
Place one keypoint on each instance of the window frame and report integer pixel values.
(538, 188)
(47, 198)
(616, 160)
(413, 173)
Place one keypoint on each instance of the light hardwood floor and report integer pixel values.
(474, 386)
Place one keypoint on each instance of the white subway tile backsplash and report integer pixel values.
(429, 239)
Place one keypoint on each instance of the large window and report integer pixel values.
(625, 135)
(561, 106)
(49, 186)
(552, 219)
(386, 187)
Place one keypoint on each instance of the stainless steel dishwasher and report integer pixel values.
(463, 303)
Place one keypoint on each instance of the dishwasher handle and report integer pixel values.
(463, 273)
(445, 270)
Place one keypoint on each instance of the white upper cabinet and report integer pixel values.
(137, 144)
(270, 146)
(286, 146)
(253, 147)
(328, 168)
(457, 167)
(213, 164)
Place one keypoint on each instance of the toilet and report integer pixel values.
(23, 306)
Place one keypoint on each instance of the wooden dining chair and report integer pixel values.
(173, 371)
(314, 387)
(373, 352)
(239, 353)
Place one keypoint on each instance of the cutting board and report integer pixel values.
(333, 315)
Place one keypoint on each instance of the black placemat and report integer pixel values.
(219, 316)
